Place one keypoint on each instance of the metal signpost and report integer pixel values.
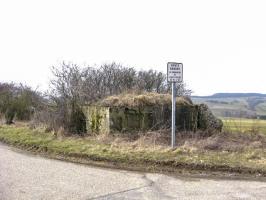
(174, 74)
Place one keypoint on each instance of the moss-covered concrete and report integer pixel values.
(142, 113)
(97, 119)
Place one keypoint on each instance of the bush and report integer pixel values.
(17, 100)
(9, 115)
(77, 122)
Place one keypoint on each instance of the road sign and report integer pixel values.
(174, 72)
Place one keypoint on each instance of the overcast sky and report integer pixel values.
(222, 44)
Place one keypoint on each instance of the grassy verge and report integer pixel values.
(163, 159)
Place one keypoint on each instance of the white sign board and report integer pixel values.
(174, 72)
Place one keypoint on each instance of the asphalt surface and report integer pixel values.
(30, 177)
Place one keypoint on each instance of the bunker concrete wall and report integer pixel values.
(97, 119)
(124, 119)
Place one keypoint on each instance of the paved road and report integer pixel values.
(29, 177)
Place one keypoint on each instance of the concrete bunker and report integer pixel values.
(150, 111)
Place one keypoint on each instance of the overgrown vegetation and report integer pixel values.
(143, 99)
(72, 87)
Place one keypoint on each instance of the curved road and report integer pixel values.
(29, 177)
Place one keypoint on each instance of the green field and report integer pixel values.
(244, 125)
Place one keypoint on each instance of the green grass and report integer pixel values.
(244, 125)
(88, 150)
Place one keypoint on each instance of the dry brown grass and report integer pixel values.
(185, 140)
(200, 141)
(149, 140)
(227, 142)
(146, 99)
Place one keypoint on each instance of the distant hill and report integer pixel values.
(248, 105)
(232, 95)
